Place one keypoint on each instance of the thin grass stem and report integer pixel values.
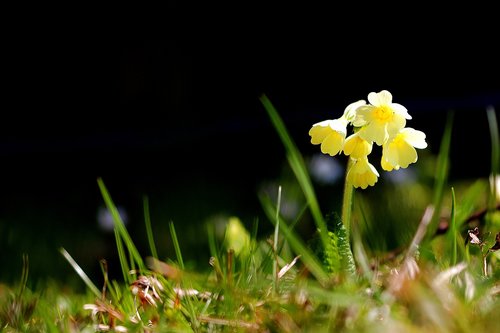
(149, 229)
(275, 242)
(175, 241)
(80, 272)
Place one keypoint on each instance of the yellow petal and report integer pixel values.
(362, 174)
(414, 137)
(319, 133)
(386, 165)
(376, 132)
(357, 147)
(350, 111)
(333, 144)
(407, 155)
(363, 115)
(381, 98)
(396, 124)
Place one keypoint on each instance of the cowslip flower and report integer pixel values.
(362, 173)
(399, 151)
(357, 147)
(381, 119)
(331, 134)
(381, 122)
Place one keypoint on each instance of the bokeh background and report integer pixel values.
(177, 120)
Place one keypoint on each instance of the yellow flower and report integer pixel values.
(350, 110)
(381, 118)
(362, 173)
(399, 151)
(330, 134)
(357, 147)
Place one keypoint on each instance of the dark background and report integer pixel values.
(177, 118)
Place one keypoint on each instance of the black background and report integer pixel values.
(176, 116)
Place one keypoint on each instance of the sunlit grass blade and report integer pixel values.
(149, 229)
(212, 242)
(299, 168)
(442, 170)
(120, 226)
(123, 258)
(190, 309)
(177, 248)
(275, 241)
(453, 233)
(307, 257)
(80, 273)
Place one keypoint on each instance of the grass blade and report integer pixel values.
(452, 234)
(120, 226)
(80, 272)
(149, 230)
(176, 245)
(275, 242)
(298, 166)
(123, 258)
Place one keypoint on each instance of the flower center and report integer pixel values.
(383, 113)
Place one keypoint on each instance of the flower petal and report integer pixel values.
(375, 131)
(407, 155)
(381, 98)
(401, 110)
(386, 165)
(319, 133)
(399, 153)
(396, 124)
(363, 115)
(357, 147)
(333, 144)
(350, 111)
(414, 137)
(362, 174)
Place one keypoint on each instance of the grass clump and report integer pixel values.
(443, 279)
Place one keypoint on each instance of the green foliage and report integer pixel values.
(338, 256)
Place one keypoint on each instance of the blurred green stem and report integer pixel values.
(347, 200)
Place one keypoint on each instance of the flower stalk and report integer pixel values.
(347, 200)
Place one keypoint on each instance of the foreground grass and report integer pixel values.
(445, 278)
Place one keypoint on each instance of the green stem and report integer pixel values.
(347, 200)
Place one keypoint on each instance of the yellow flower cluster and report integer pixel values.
(380, 121)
